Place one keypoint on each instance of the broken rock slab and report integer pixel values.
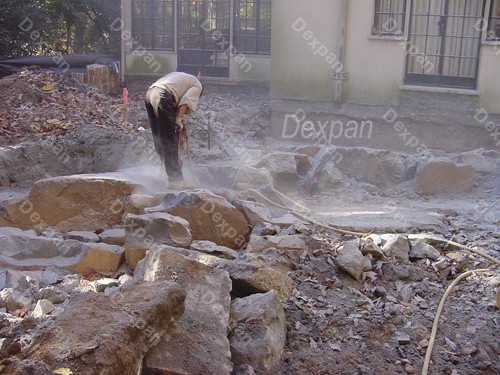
(79, 202)
(114, 236)
(385, 220)
(444, 176)
(212, 217)
(199, 344)
(255, 212)
(214, 249)
(99, 257)
(144, 232)
(248, 278)
(248, 178)
(378, 167)
(82, 236)
(25, 250)
(97, 334)
(292, 243)
(282, 166)
(258, 332)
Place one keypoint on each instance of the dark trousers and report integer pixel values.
(162, 113)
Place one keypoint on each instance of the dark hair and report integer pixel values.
(202, 89)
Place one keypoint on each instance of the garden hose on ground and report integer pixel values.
(435, 325)
(304, 210)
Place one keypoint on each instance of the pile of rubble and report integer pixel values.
(101, 275)
(42, 104)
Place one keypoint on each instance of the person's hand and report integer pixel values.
(180, 122)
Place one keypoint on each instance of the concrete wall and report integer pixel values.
(256, 68)
(300, 69)
(375, 64)
(150, 63)
(489, 77)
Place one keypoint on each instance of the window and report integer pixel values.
(494, 22)
(153, 24)
(390, 17)
(252, 26)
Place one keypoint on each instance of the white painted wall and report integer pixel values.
(489, 78)
(298, 69)
(376, 65)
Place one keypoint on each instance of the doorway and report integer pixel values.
(444, 43)
(203, 37)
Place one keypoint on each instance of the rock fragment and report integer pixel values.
(82, 236)
(422, 250)
(350, 259)
(211, 217)
(258, 332)
(397, 247)
(144, 232)
(199, 345)
(43, 307)
(444, 176)
(97, 334)
(113, 236)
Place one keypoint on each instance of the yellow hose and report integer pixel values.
(435, 325)
(450, 288)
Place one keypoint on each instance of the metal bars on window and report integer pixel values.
(390, 16)
(153, 24)
(494, 21)
(444, 42)
(252, 26)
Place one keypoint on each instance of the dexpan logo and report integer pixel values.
(324, 132)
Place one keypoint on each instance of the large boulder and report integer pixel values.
(444, 176)
(377, 167)
(144, 232)
(248, 278)
(80, 202)
(282, 166)
(99, 334)
(199, 345)
(249, 177)
(211, 217)
(258, 332)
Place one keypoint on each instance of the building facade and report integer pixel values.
(317, 55)
(229, 40)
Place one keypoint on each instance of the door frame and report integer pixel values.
(439, 80)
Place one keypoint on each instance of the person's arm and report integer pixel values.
(181, 112)
(188, 102)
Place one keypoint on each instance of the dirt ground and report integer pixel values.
(380, 325)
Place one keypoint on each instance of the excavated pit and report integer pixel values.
(352, 305)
